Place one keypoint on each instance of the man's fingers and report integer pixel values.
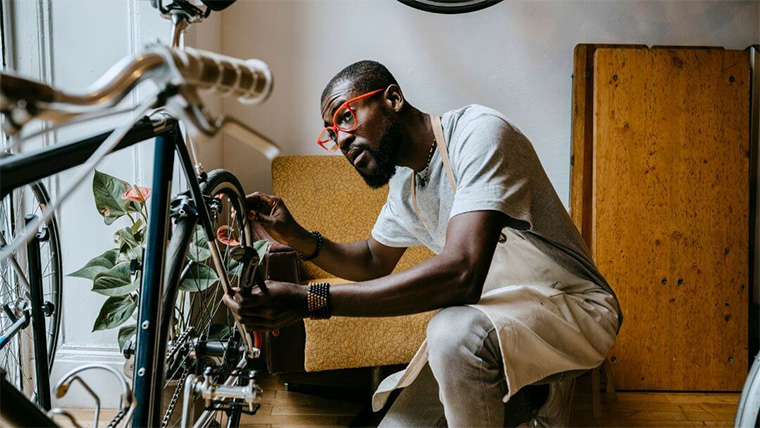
(260, 201)
(256, 299)
(260, 217)
(268, 324)
(260, 206)
(231, 303)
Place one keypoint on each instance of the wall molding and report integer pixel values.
(69, 357)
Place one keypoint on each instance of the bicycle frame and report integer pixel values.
(16, 172)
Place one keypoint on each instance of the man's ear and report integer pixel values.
(394, 98)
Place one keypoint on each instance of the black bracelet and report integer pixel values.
(316, 252)
(318, 301)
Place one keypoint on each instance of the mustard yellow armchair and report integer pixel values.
(325, 193)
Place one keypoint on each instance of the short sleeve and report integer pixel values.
(389, 230)
(492, 161)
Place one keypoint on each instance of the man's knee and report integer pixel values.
(457, 332)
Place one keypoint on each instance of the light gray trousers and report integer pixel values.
(463, 383)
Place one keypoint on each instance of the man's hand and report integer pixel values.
(282, 305)
(270, 211)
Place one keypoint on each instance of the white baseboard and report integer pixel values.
(108, 388)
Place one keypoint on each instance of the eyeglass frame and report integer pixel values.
(335, 128)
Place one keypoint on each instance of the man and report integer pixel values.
(521, 300)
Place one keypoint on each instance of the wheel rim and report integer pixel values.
(16, 356)
(204, 319)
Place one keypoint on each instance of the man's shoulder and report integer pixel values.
(476, 126)
(477, 115)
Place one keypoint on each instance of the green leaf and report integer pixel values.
(107, 190)
(132, 206)
(139, 231)
(115, 311)
(234, 267)
(125, 333)
(261, 248)
(101, 263)
(198, 251)
(219, 332)
(125, 238)
(115, 282)
(136, 227)
(198, 278)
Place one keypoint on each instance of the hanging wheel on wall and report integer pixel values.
(449, 6)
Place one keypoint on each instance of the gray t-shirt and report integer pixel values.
(495, 168)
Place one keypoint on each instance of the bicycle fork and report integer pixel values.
(38, 318)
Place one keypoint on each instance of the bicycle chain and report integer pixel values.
(116, 419)
(169, 356)
(178, 344)
(175, 397)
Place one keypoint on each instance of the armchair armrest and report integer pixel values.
(283, 260)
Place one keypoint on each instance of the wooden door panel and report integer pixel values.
(581, 118)
(670, 201)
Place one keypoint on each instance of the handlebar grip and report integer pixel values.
(14, 88)
(249, 80)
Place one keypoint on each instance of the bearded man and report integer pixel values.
(521, 300)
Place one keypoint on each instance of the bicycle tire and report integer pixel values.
(12, 211)
(218, 182)
(748, 411)
(450, 6)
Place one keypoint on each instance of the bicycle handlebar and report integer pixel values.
(22, 100)
(250, 80)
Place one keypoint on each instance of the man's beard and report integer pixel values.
(385, 155)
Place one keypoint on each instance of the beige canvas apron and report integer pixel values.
(549, 320)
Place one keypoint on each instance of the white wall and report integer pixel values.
(515, 57)
(71, 43)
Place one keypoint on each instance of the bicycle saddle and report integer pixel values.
(217, 5)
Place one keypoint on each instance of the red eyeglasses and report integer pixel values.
(344, 120)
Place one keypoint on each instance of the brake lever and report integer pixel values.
(189, 108)
(249, 136)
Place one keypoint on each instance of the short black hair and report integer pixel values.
(363, 76)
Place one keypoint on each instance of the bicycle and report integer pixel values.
(172, 349)
(16, 310)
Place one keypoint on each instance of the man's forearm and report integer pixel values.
(352, 261)
(436, 283)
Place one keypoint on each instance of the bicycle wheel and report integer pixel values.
(449, 6)
(748, 412)
(200, 334)
(16, 355)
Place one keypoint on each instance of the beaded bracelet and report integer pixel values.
(316, 252)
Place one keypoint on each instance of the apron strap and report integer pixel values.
(441, 141)
(414, 200)
(435, 123)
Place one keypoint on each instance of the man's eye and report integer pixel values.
(346, 117)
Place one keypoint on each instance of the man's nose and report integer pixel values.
(344, 139)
